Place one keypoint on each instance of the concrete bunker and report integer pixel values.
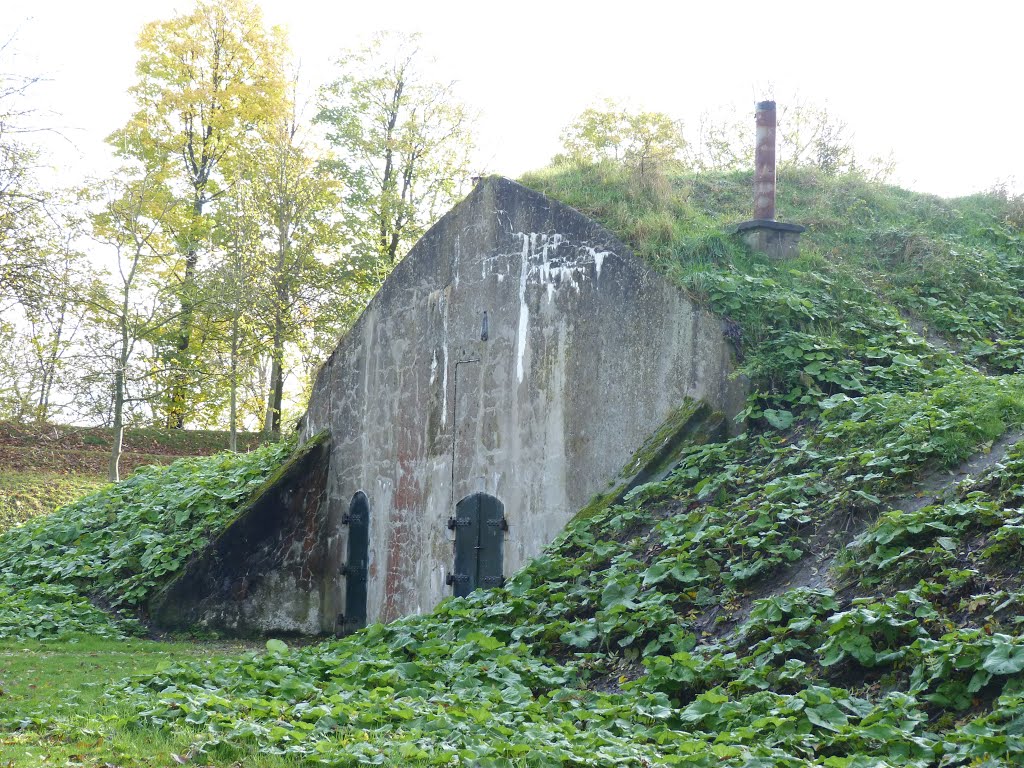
(504, 374)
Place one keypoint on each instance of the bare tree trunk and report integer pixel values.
(115, 451)
(234, 382)
(114, 473)
(272, 423)
(50, 369)
(179, 393)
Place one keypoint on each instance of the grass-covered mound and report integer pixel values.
(790, 597)
(117, 546)
(27, 494)
(881, 272)
(45, 466)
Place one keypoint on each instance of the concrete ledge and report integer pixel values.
(777, 226)
(776, 239)
(263, 573)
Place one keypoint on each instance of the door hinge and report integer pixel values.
(501, 523)
(456, 578)
(458, 522)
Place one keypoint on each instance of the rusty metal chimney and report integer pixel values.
(763, 233)
(764, 161)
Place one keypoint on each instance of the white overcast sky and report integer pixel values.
(936, 82)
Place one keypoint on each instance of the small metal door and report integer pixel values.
(357, 564)
(480, 526)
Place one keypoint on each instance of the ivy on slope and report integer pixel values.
(120, 544)
(620, 644)
(56, 612)
(970, 290)
(955, 265)
(828, 335)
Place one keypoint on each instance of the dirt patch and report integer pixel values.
(922, 329)
(86, 450)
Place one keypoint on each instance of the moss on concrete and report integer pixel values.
(286, 469)
(692, 422)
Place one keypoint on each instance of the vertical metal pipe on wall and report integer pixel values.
(764, 161)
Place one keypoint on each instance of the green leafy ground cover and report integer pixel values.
(118, 545)
(651, 633)
(39, 681)
(45, 466)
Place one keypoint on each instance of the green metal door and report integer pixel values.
(479, 526)
(357, 564)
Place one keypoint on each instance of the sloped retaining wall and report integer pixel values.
(263, 574)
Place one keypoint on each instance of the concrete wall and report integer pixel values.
(586, 353)
(264, 573)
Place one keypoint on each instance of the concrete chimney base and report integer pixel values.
(778, 240)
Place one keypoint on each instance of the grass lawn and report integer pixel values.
(52, 711)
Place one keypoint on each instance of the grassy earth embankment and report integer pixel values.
(73, 586)
(43, 467)
(672, 628)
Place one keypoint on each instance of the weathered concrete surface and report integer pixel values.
(264, 573)
(778, 240)
(691, 423)
(583, 354)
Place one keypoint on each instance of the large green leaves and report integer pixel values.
(126, 540)
(1006, 656)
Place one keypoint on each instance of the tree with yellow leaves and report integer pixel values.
(208, 81)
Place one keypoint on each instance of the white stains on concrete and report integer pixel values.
(524, 311)
(546, 263)
(554, 267)
(598, 257)
(496, 264)
(433, 367)
(444, 351)
(455, 266)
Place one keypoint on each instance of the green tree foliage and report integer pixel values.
(21, 197)
(233, 279)
(643, 140)
(294, 200)
(39, 263)
(402, 143)
(808, 136)
(129, 309)
(41, 315)
(207, 80)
